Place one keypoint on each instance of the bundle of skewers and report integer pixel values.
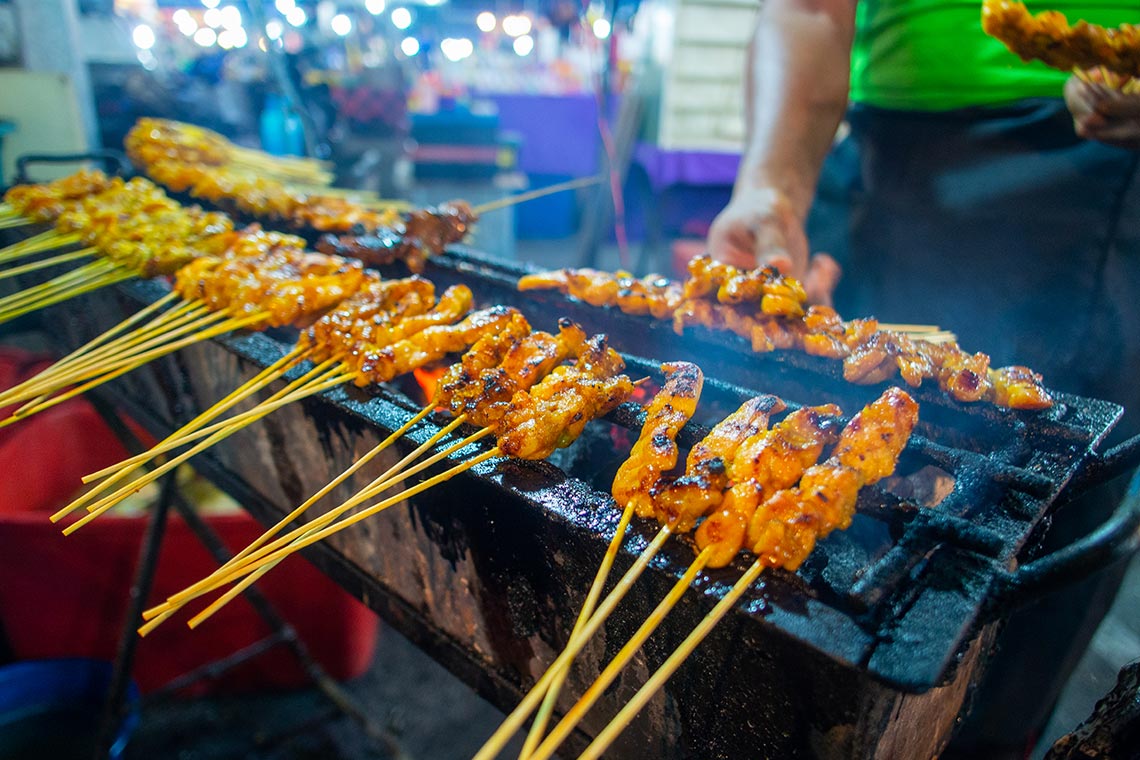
(156, 140)
(1110, 57)
(771, 311)
(746, 486)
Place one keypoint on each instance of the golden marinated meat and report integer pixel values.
(769, 310)
(432, 344)
(784, 528)
(288, 286)
(555, 411)
(765, 463)
(1049, 38)
(777, 295)
(483, 386)
(655, 451)
(44, 203)
(654, 295)
(1018, 388)
(683, 501)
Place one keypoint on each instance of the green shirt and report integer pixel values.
(932, 55)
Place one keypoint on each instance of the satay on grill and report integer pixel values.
(770, 310)
(784, 529)
(683, 501)
(654, 295)
(655, 450)
(554, 412)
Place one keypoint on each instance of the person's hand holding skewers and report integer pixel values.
(1106, 114)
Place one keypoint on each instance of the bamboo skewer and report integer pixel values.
(107, 335)
(518, 716)
(245, 390)
(122, 469)
(86, 278)
(15, 221)
(45, 241)
(233, 569)
(48, 262)
(538, 726)
(262, 569)
(111, 355)
(284, 522)
(98, 508)
(626, 715)
(311, 536)
(512, 200)
(621, 659)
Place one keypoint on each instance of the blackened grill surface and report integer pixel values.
(899, 594)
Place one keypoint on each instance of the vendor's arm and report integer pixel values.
(796, 94)
(1104, 114)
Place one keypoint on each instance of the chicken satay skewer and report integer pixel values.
(654, 452)
(784, 532)
(778, 456)
(523, 361)
(666, 414)
(451, 306)
(323, 377)
(592, 387)
(704, 480)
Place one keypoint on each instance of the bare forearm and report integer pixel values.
(796, 93)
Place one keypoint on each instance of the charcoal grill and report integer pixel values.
(869, 650)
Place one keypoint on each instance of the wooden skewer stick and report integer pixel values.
(45, 241)
(118, 368)
(89, 277)
(538, 726)
(626, 715)
(83, 253)
(6, 209)
(518, 716)
(15, 221)
(233, 568)
(106, 358)
(540, 192)
(262, 569)
(122, 469)
(621, 659)
(117, 329)
(242, 392)
(101, 506)
(64, 281)
(284, 522)
(313, 537)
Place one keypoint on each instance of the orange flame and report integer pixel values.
(428, 379)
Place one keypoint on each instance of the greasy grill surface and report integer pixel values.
(897, 595)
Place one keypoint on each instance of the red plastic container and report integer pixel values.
(67, 596)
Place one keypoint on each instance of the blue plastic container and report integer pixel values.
(52, 709)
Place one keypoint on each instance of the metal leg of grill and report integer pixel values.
(128, 639)
(282, 632)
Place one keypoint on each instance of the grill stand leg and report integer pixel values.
(282, 632)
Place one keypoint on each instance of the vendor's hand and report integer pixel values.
(1103, 113)
(760, 228)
